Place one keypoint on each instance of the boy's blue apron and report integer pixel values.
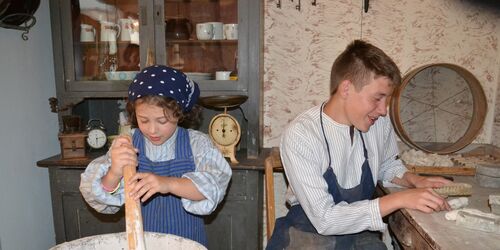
(295, 231)
(164, 213)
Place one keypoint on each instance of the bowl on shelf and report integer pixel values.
(120, 75)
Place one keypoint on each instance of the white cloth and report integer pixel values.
(211, 176)
(305, 159)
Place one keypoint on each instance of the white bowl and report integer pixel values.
(120, 75)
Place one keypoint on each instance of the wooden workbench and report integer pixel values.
(417, 230)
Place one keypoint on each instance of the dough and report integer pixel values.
(458, 203)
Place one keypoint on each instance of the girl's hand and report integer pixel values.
(146, 185)
(123, 154)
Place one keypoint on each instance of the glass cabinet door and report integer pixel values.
(105, 43)
(201, 38)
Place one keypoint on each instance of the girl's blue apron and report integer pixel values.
(295, 230)
(164, 213)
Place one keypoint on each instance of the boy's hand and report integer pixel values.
(424, 200)
(429, 182)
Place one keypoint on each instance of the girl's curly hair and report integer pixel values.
(191, 119)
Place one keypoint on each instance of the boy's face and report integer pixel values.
(154, 124)
(365, 106)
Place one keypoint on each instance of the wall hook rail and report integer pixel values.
(298, 4)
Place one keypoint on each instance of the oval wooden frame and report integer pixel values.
(478, 111)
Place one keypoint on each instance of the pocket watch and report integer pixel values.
(225, 132)
(96, 137)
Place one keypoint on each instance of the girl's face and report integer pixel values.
(158, 126)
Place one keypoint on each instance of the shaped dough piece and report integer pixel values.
(494, 201)
(452, 215)
(458, 203)
(486, 222)
(455, 189)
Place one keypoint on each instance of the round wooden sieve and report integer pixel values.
(410, 93)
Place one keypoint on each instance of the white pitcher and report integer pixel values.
(87, 33)
(109, 33)
(127, 28)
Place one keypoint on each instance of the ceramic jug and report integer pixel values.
(178, 29)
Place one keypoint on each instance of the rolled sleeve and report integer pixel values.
(211, 177)
(92, 191)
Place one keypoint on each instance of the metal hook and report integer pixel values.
(24, 35)
(297, 7)
(314, 3)
(278, 4)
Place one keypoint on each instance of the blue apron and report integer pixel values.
(164, 213)
(295, 230)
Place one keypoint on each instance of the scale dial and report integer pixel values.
(225, 130)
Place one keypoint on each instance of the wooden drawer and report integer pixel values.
(406, 233)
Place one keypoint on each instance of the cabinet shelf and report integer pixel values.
(200, 42)
(118, 43)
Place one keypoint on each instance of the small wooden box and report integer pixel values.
(73, 145)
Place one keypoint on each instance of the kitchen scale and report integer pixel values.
(224, 129)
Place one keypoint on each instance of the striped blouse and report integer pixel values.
(305, 159)
(211, 177)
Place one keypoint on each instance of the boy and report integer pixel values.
(334, 153)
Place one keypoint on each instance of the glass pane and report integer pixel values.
(202, 36)
(106, 39)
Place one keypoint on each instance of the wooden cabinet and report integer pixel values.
(73, 218)
(236, 223)
(100, 45)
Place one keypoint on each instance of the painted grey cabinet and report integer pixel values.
(236, 223)
(98, 45)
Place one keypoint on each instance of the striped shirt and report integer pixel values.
(305, 160)
(211, 176)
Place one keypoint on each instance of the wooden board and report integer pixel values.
(466, 171)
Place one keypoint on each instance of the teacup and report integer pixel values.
(222, 75)
(204, 31)
(231, 31)
(218, 33)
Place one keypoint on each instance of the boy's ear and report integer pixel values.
(344, 88)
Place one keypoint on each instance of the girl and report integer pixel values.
(181, 174)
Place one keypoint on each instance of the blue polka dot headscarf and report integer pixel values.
(164, 81)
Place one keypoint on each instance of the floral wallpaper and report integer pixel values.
(300, 47)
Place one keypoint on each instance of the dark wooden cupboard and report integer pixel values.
(94, 62)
